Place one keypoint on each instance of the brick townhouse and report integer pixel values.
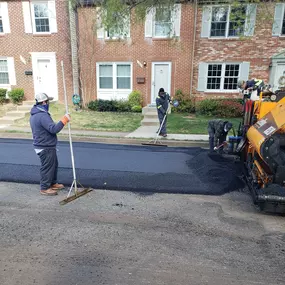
(34, 38)
(193, 47)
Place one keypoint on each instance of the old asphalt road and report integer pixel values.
(128, 168)
(125, 238)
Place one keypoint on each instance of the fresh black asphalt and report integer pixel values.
(145, 169)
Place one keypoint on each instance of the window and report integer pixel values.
(1, 21)
(163, 22)
(41, 17)
(222, 76)
(4, 74)
(114, 76)
(227, 21)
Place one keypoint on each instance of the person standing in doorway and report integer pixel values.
(45, 140)
(162, 103)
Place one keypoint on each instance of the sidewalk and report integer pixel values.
(142, 134)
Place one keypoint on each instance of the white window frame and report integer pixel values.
(282, 20)
(5, 84)
(114, 64)
(221, 90)
(171, 28)
(1, 18)
(33, 3)
(229, 7)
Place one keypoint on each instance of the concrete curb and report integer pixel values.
(110, 140)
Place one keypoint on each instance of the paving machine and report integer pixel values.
(260, 145)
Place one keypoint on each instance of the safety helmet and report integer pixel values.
(228, 126)
(41, 97)
(240, 83)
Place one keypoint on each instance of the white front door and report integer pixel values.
(161, 78)
(45, 75)
(280, 71)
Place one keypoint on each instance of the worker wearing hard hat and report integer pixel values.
(45, 140)
(218, 130)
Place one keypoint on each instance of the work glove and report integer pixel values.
(65, 119)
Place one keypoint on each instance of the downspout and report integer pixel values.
(74, 51)
(193, 47)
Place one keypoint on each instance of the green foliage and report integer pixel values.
(186, 104)
(137, 109)
(109, 106)
(16, 95)
(231, 108)
(2, 95)
(135, 98)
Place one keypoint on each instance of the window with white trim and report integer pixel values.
(40, 14)
(222, 76)
(162, 22)
(227, 21)
(115, 76)
(4, 72)
(1, 21)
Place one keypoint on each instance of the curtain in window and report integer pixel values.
(123, 76)
(4, 75)
(106, 76)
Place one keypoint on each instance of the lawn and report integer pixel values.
(5, 108)
(90, 120)
(193, 124)
(127, 122)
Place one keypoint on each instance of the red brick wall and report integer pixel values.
(138, 48)
(257, 50)
(19, 43)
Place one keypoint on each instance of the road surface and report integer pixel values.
(124, 167)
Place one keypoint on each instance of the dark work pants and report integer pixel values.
(211, 132)
(49, 167)
(163, 128)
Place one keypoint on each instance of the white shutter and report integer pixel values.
(52, 16)
(27, 17)
(202, 76)
(149, 23)
(176, 20)
(100, 29)
(11, 70)
(244, 71)
(250, 20)
(206, 22)
(5, 17)
(278, 17)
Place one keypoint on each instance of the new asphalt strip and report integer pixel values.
(146, 169)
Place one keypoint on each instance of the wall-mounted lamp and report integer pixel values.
(144, 63)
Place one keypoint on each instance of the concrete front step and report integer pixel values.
(30, 103)
(148, 109)
(16, 113)
(151, 116)
(24, 108)
(149, 122)
(9, 120)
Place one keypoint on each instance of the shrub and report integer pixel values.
(230, 108)
(135, 98)
(136, 109)
(122, 106)
(186, 104)
(2, 95)
(16, 95)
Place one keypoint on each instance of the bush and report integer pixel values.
(136, 109)
(122, 106)
(16, 95)
(109, 106)
(135, 98)
(230, 108)
(3, 95)
(186, 104)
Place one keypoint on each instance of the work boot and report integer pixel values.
(49, 192)
(57, 186)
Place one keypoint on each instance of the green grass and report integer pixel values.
(193, 124)
(90, 120)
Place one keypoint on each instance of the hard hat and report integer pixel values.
(228, 126)
(41, 97)
(240, 83)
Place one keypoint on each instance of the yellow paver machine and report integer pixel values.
(262, 148)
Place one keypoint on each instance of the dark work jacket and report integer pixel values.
(217, 127)
(162, 103)
(43, 128)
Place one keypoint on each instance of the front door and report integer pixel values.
(45, 75)
(161, 78)
(280, 71)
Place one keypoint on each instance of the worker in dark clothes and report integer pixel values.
(162, 103)
(218, 131)
(45, 140)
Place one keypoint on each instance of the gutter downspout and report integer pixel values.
(193, 47)
(74, 51)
